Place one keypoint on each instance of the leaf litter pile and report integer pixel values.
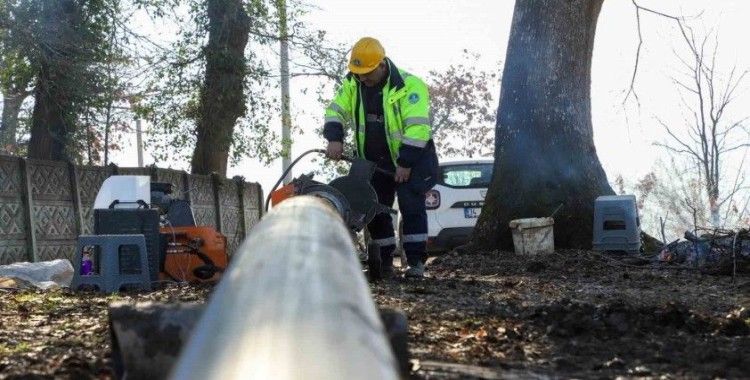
(481, 315)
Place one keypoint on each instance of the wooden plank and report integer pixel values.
(293, 305)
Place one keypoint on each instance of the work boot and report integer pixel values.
(415, 271)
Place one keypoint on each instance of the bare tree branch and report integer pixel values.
(739, 180)
(687, 148)
(735, 147)
(708, 134)
(638, 9)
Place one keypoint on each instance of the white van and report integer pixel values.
(455, 202)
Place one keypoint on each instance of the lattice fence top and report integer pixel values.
(45, 205)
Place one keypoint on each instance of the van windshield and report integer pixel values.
(469, 176)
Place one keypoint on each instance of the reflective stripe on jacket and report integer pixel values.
(406, 107)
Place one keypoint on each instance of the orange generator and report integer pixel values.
(188, 253)
(193, 254)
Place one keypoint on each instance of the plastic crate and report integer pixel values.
(616, 224)
(133, 221)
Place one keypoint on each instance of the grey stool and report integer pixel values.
(616, 224)
(110, 277)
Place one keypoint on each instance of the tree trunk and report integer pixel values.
(712, 186)
(714, 208)
(544, 147)
(49, 130)
(222, 97)
(89, 139)
(59, 80)
(12, 102)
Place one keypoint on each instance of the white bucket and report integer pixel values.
(533, 236)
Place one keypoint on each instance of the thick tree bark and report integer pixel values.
(50, 131)
(222, 97)
(544, 148)
(12, 102)
(59, 80)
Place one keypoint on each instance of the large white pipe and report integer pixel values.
(293, 305)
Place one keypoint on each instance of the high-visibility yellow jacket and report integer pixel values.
(406, 109)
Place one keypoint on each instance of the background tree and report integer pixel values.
(106, 115)
(463, 111)
(89, 61)
(544, 148)
(16, 76)
(173, 102)
(709, 134)
(704, 183)
(172, 96)
(678, 205)
(15, 90)
(222, 99)
(69, 41)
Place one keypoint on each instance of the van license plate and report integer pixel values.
(471, 212)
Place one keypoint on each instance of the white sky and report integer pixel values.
(424, 35)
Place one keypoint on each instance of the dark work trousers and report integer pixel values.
(411, 198)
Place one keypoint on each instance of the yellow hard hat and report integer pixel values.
(367, 53)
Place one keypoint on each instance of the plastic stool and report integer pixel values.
(616, 224)
(110, 278)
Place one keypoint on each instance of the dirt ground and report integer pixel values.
(570, 314)
(574, 314)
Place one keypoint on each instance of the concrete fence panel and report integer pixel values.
(13, 223)
(45, 205)
(202, 200)
(54, 212)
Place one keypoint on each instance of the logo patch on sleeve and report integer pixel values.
(413, 98)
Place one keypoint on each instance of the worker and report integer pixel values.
(387, 112)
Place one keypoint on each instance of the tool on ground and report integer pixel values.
(189, 252)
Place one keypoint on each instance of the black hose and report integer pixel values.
(268, 198)
(321, 151)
